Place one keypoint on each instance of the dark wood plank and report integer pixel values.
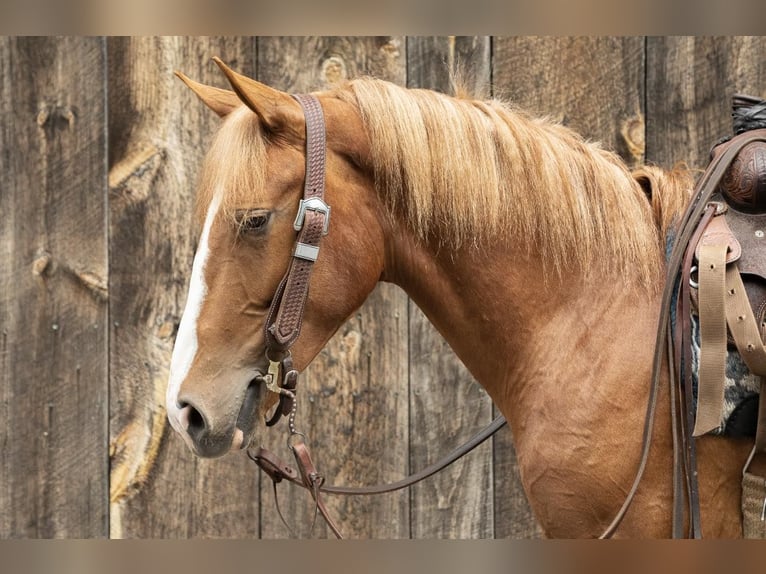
(596, 86)
(690, 83)
(447, 405)
(53, 295)
(444, 63)
(353, 399)
(159, 132)
(318, 62)
(593, 85)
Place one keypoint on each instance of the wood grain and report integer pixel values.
(594, 85)
(448, 63)
(99, 151)
(690, 83)
(353, 397)
(159, 132)
(53, 296)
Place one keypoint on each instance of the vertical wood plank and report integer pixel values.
(690, 83)
(159, 133)
(353, 397)
(596, 86)
(446, 403)
(53, 296)
(444, 62)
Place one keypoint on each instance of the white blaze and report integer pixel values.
(185, 348)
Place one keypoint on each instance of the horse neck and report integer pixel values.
(508, 321)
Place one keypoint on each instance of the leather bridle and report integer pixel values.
(283, 326)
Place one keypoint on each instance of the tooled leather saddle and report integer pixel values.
(741, 219)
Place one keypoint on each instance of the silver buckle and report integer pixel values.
(314, 204)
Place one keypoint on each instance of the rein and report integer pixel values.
(283, 326)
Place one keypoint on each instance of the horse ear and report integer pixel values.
(222, 102)
(276, 110)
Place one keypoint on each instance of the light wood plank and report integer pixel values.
(691, 81)
(159, 132)
(53, 295)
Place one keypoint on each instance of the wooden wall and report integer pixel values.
(99, 150)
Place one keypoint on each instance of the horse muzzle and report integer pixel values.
(211, 425)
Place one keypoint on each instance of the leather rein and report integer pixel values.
(283, 326)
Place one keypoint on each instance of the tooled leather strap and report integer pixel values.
(286, 314)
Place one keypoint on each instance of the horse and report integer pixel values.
(538, 255)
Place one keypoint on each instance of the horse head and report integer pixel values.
(249, 192)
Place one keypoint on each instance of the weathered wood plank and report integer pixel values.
(593, 85)
(53, 296)
(690, 83)
(443, 63)
(353, 398)
(447, 405)
(159, 132)
(596, 86)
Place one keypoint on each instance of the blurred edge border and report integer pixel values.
(358, 17)
(372, 557)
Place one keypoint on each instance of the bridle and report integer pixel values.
(283, 326)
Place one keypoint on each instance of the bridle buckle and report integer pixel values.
(312, 204)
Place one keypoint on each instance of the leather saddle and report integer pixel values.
(742, 195)
(743, 191)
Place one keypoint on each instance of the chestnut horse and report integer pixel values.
(537, 255)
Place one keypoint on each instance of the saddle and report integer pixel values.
(721, 310)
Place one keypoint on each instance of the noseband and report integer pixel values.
(283, 326)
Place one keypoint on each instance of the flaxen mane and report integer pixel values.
(475, 170)
(470, 171)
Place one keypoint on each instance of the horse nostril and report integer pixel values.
(192, 419)
(196, 420)
(207, 435)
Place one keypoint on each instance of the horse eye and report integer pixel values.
(252, 222)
